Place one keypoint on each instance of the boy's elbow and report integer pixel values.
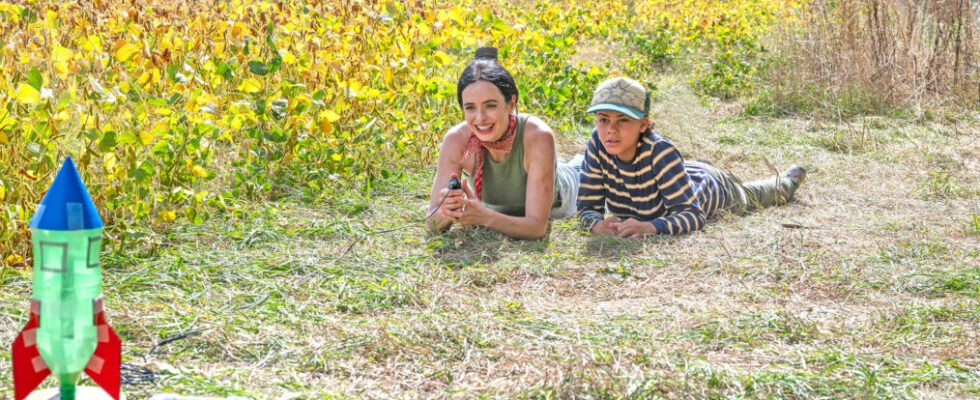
(700, 219)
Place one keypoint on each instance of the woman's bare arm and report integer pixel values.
(450, 164)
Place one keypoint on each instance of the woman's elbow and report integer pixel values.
(537, 235)
(538, 231)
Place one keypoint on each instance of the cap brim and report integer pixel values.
(629, 111)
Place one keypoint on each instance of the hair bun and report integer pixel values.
(486, 53)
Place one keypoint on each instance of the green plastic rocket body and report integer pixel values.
(67, 280)
(67, 333)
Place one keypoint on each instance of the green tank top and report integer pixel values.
(505, 183)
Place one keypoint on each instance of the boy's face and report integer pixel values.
(619, 133)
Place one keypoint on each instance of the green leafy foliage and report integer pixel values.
(177, 113)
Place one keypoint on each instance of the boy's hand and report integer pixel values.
(634, 229)
(605, 227)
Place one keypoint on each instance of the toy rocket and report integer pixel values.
(67, 331)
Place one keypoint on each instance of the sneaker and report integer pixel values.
(796, 175)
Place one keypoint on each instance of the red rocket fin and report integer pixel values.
(103, 367)
(29, 368)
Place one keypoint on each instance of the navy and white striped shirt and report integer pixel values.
(656, 186)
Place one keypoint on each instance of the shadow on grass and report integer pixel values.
(462, 247)
(613, 247)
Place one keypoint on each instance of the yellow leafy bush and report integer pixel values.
(170, 109)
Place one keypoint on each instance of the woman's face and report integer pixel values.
(619, 133)
(487, 112)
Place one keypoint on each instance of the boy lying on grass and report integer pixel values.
(642, 180)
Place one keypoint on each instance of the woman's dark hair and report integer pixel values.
(485, 68)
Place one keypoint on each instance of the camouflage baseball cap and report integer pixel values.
(622, 95)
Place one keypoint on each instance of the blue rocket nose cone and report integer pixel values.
(67, 205)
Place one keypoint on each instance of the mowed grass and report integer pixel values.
(867, 287)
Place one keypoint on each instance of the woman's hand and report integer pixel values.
(605, 227)
(472, 210)
(633, 228)
(442, 200)
(450, 208)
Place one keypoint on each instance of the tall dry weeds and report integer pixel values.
(893, 53)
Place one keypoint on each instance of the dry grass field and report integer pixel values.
(262, 168)
(867, 287)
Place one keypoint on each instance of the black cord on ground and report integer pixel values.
(132, 374)
(137, 375)
(172, 339)
(454, 184)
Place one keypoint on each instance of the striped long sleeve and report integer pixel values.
(655, 186)
(592, 187)
(683, 211)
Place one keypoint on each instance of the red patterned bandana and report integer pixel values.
(475, 146)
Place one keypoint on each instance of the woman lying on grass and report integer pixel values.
(509, 159)
(641, 178)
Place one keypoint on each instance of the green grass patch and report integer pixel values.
(963, 281)
(754, 330)
(810, 100)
